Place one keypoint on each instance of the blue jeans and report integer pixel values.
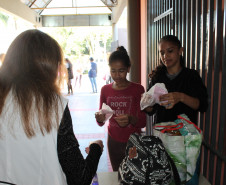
(93, 83)
(195, 178)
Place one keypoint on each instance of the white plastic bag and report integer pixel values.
(105, 109)
(152, 96)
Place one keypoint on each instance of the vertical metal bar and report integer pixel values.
(173, 16)
(221, 101)
(188, 32)
(204, 39)
(224, 180)
(161, 22)
(155, 31)
(193, 34)
(149, 45)
(203, 49)
(164, 19)
(224, 69)
(222, 174)
(198, 35)
(222, 140)
(217, 84)
(167, 19)
(152, 28)
(176, 17)
(203, 62)
(180, 21)
(210, 83)
(170, 16)
(184, 29)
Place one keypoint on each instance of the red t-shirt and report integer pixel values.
(126, 101)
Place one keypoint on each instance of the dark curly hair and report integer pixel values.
(120, 54)
(161, 69)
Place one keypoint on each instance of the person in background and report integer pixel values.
(93, 74)
(187, 93)
(70, 75)
(123, 97)
(79, 72)
(37, 142)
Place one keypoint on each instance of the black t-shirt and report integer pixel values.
(188, 82)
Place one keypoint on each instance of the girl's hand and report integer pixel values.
(122, 120)
(125, 119)
(170, 99)
(99, 117)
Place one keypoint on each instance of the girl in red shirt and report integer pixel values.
(123, 97)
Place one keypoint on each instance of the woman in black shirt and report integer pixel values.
(187, 93)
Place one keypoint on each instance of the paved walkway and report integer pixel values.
(83, 104)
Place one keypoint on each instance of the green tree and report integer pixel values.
(4, 18)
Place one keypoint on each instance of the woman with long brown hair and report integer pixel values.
(37, 143)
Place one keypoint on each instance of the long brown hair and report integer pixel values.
(30, 69)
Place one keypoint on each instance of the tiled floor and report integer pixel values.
(83, 104)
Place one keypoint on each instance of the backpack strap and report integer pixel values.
(148, 155)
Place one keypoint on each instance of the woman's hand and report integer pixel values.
(99, 117)
(125, 119)
(99, 142)
(171, 99)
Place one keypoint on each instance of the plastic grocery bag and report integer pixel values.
(105, 109)
(152, 96)
(184, 149)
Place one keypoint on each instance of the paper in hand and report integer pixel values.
(152, 96)
(107, 111)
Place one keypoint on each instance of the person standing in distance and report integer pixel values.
(70, 75)
(93, 74)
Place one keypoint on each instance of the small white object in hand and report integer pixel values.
(152, 96)
(105, 109)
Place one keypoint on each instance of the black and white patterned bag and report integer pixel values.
(147, 162)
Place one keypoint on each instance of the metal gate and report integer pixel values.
(201, 27)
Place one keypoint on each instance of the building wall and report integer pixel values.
(143, 17)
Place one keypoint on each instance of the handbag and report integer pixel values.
(182, 140)
(147, 162)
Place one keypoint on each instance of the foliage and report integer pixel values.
(80, 41)
(4, 18)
